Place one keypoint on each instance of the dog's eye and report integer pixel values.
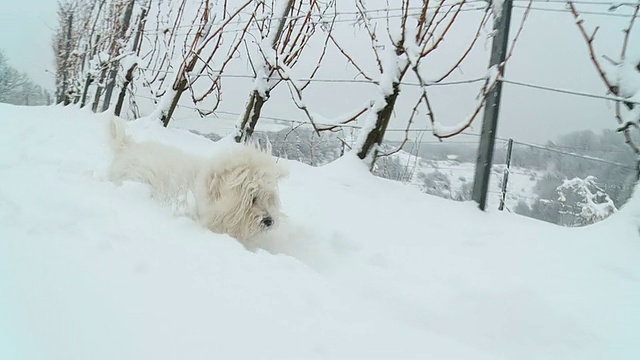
(254, 200)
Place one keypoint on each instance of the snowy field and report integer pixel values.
(367, 268)
(521, 184)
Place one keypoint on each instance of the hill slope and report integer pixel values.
(368, 268)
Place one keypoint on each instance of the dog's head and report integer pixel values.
(239, 193)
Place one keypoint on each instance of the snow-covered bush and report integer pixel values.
(435, 183)
(584, 200)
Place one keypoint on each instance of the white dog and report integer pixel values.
(235, 193)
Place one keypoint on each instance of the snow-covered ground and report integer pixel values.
(368, 268)
(520, 185)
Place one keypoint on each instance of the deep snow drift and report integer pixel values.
(368, 268)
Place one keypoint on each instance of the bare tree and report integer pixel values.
(63, 42)
(285, 29)
(16, 87)
(112, 43)
(403, 45)
(617, 72)
(90, 48)
(88, 45)
(133, 61)
(202, 44)
(10, 79)
(117, 48)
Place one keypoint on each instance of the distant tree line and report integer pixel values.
(568, 192)
(16, 88)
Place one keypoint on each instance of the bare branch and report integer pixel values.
(589, 40)
(627, 33)
(446, 29)
(488, 87)
(626, 126)
(422, 20)
(222, 26)
(517, 36)
(349, 58)
(354, 117)
(296, 95)
(322, 55)
(626, 131)
(469, 48)
(371, 31)
(414, 111)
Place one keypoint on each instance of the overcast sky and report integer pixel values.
(26, 32)
(550, 52)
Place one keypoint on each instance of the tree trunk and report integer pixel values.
(166, 116)
(98, 94)
(123, 90)
(87, 83)
(65, 71)
(254, 106)
(251, 116)
(376, 135)
(114, 69)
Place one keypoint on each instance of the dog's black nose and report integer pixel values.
(267, 221)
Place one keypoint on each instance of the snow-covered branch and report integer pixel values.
(286, 28)
(623, 79)
(404, 44)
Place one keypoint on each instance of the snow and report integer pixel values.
(282, 10)
(492, 76)
(593, 206)
(628, 77)
(441, 130)
(392, 66)
(127, 62)
(497, 8)
(521, 184)
(364, 268)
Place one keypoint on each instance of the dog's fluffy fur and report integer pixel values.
(235, 193)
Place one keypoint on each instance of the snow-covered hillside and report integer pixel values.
(367, 267)
(457, 180)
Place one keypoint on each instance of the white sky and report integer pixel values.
(550, 52)
(26, 28)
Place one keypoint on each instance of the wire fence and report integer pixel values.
(528, 184)
(446, 169)
(531, 184)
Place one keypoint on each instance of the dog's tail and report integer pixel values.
(118, 138)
